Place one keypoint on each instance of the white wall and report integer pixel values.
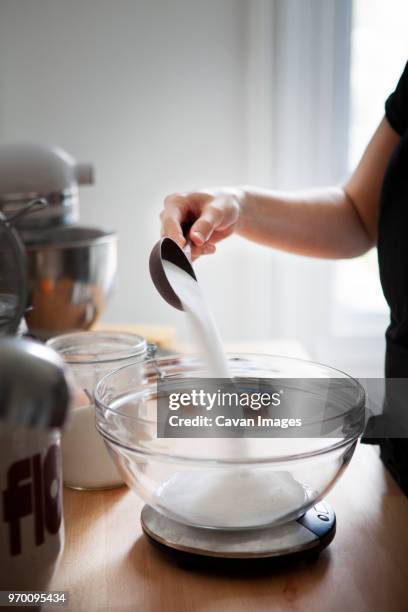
(166, 95)
(151, 91)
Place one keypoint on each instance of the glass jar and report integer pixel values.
(90, 355)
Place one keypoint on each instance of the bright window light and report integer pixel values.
(379, 51)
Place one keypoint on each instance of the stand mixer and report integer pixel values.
(69, 268)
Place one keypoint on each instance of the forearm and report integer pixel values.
(331, 223)
(317, 223)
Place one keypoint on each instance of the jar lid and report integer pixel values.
(13, 278)
(34, 391)
(98, 347)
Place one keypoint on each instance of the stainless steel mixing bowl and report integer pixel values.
(71, 271)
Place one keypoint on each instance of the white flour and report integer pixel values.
(230, 498)
(85, 458)
(202, 327)
(240, 497)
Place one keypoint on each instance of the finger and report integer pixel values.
(219, 235)
(208, 222)
(178, 200)
(174, 215)
(205, 249)
(171, 227)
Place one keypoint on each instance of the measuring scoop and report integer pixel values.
(169, 250)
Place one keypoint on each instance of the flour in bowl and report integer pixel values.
(230, 498)
(222, 497)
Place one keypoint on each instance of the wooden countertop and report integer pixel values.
(109, 565)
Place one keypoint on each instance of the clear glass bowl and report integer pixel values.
(238, 483)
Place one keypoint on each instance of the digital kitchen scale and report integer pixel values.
(303, 538)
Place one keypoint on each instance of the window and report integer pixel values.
(379, 50)
(333, 64)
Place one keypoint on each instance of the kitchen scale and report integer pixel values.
(301, 539)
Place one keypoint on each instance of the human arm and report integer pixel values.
(333, 222)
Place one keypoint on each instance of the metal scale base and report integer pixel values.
(302, 539)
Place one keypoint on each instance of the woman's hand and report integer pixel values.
(212, 215)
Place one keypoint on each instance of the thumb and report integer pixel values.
(206, 224)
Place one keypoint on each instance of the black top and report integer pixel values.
(392, 234)
(393, 263)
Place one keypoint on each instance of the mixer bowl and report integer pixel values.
(70, 271)
(224, 483)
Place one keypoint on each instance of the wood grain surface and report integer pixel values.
(109, 565)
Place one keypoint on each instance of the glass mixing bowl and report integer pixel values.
(231, 483)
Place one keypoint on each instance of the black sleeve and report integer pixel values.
(396, 105)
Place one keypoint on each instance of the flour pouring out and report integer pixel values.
(202, 327)
(231, 498)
